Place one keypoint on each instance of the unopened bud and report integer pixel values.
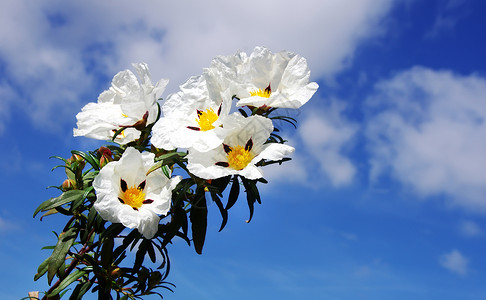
(103, 151)
(68, 184)
(106, 156)
(115, 272)
(76, 159)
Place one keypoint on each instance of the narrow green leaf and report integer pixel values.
(80, 290)
(151, 252)
(107, 253)
(243, 112)
(64, 198)
(42, 269)
(75, 275)
(64, 243)
(166, 171)
(250, 198)
(49, 212)
(140, 255)
(93, 161)
(198, 216)
(234, 192)
(170, 155)
(154, 279)
(224, 213)
(156, 166)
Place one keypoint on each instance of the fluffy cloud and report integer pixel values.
(455, 262)
(469, 229)
(327, 136)
(322, 143)
(427, 128)
(449, 14)
(54, 55)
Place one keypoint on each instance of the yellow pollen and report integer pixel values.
(134, 197)
(124, 115)
(261, 93)
(122, 133)
(206, 119)
(239, 158)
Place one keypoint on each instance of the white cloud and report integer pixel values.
(327, 136)
(455, 262)
(322, 142)
(449, 14)
(428, 129)
(470, 229)
(6, 225)
(54, 54)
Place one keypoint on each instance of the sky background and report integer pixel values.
(385, 197)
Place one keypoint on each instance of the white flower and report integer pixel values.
(125, 194)
(241, 150)
(193, 117)
(264, 79)
(126, 103)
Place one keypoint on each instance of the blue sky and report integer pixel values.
(386, 195)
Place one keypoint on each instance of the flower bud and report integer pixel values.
(76, 159)
(68, 184)
(115, 272)
(106, 156)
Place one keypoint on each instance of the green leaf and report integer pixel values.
(243, 112)
(234, 193)
(107, 253)
(75, 275)
(64, 243)
(250, 197)
(224, 213)
(42, 269)
(170, 156)
(198, 217)
(156, 166)
(154, 279)
(151, 252)
(92, 160)
(140, 255)
(64, 198)
(166, 171)
(49, 212)
(80, 290)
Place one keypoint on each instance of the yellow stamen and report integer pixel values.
(206, 119)
(262, 93)
(134, 197)
(239, 157)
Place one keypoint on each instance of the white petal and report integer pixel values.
(274, 152)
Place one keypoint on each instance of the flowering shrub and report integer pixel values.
(216, 134)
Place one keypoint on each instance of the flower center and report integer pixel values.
(262, 93)
(239, 157)
(134, 197)
(206, 118)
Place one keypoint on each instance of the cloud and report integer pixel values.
(322, 141)
(57, 54)
(469, 229)
(327, 136)
(427, 129)
(6, 225)
(449, 14)
(455, 262)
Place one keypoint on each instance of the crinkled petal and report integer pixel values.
(99, 121)
(274, 152)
